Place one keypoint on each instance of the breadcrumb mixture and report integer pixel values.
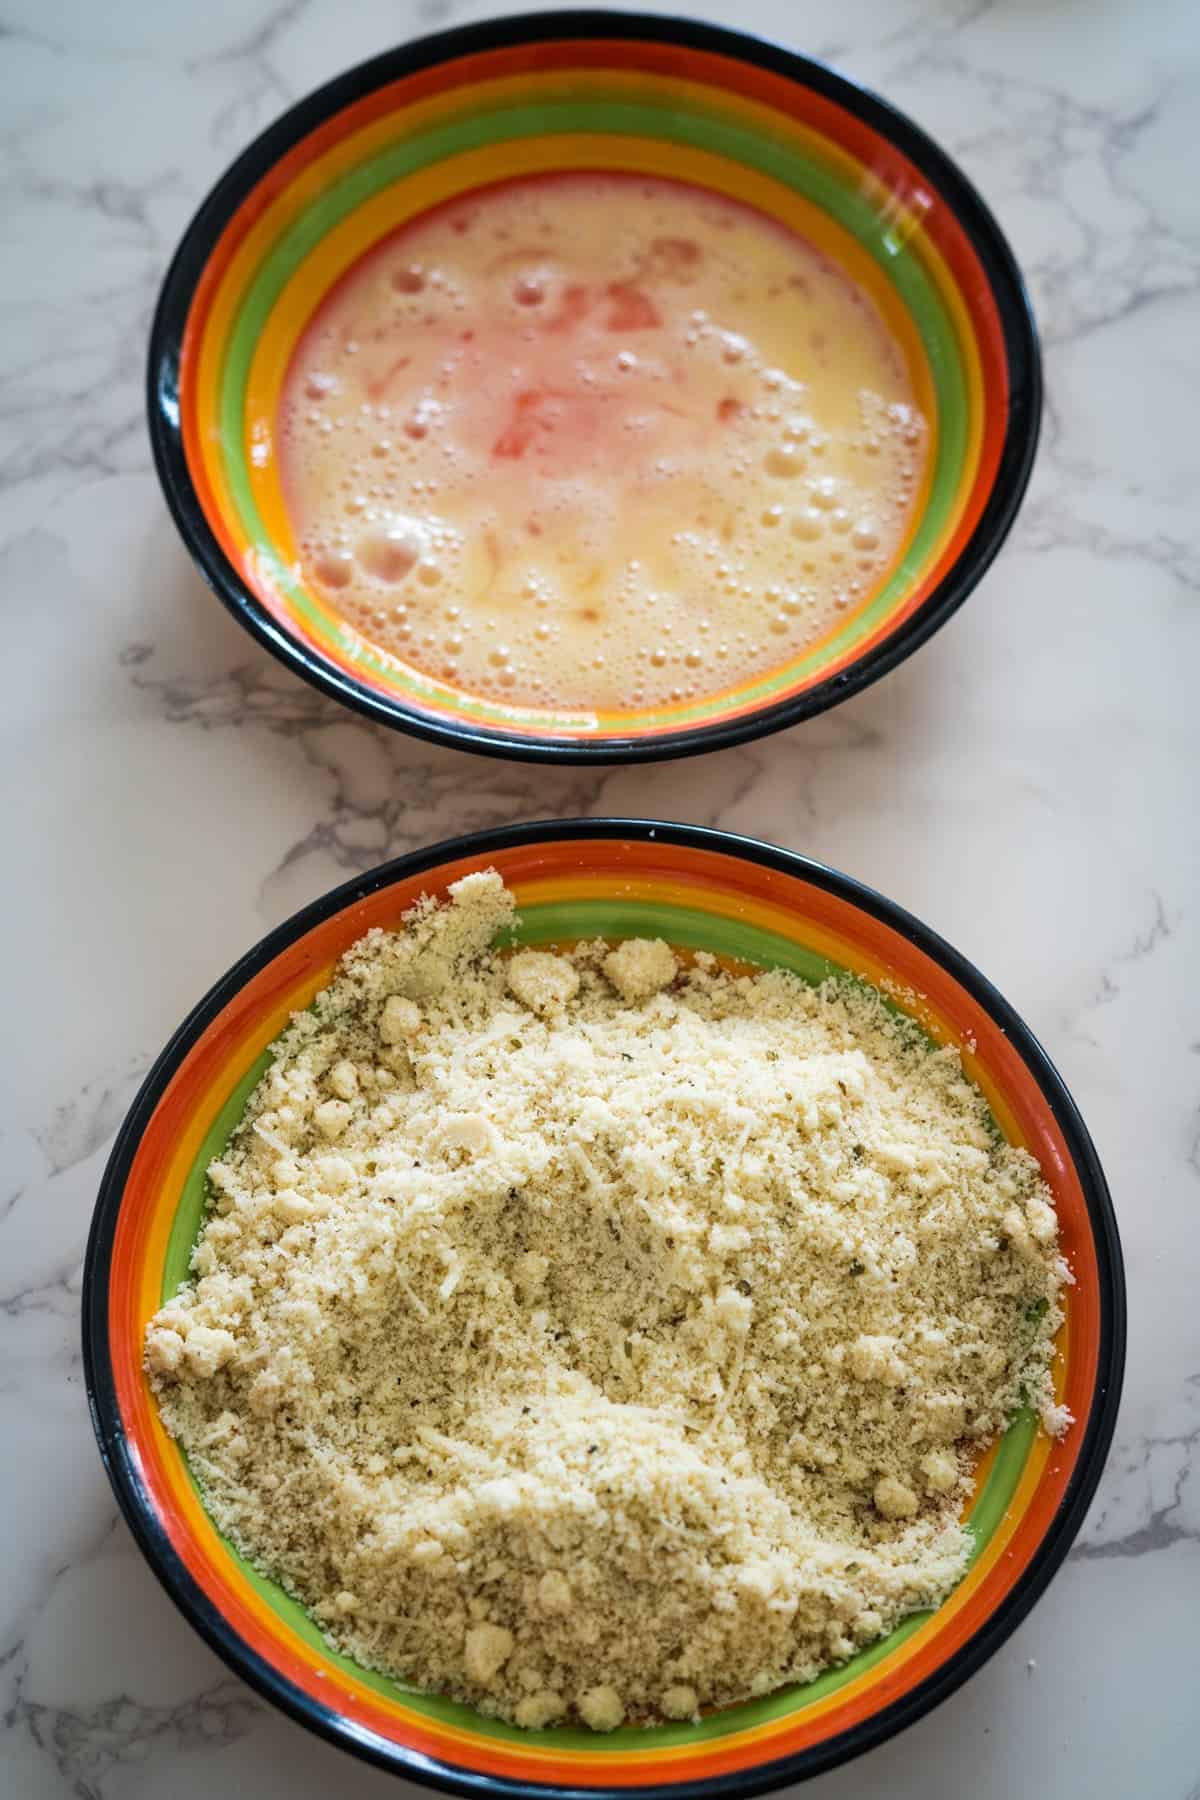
(591, 1336)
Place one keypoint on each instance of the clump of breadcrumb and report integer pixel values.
(587, 1335)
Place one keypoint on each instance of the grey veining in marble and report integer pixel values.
(1025, 784)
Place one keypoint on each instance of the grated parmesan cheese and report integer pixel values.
(590, 1335)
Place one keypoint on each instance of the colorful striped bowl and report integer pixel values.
(587, 90)
(700, 888)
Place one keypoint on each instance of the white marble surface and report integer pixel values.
(1025, 784)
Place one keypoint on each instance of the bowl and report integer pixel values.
(450, 113)
(704, 889)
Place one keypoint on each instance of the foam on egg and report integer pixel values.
(597, 440)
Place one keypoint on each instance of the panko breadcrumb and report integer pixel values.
(599, 1334)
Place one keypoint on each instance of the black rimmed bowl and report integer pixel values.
(616, 878)
(449, 113)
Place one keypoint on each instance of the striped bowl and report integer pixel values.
(580, 90)
(697, 888)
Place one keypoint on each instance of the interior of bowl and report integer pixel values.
(578, 92)
(695, 889)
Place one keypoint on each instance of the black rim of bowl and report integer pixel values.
(123, 1464)
(987, 240)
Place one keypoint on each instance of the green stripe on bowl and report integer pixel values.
(686, 927)
(806, 175)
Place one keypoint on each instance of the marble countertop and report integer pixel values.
(169, 793)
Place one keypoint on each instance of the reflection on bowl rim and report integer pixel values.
(1011, 424)
(734, 879)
